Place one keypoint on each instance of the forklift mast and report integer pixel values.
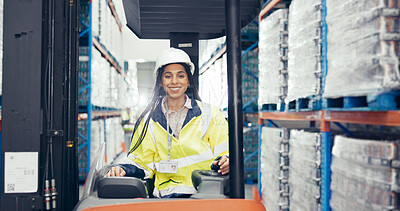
(39, 107)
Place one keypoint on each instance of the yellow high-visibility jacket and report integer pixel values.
(204, 136)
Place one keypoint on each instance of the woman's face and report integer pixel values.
(175, 81)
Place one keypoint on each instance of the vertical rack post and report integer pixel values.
(326, 162)
(89, 105)
(235, 104)
(261, 125)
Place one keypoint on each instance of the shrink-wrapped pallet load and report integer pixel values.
(365, 174)
(363, 47)
(275, 168)
(305, 170)
(273, 49)
(304, 60)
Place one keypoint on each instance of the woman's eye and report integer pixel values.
(181, 76)
(167, 76)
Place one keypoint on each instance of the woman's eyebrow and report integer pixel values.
(182, 71)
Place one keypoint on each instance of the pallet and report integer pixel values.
(372, 102)
(304, 104)
(273, 107)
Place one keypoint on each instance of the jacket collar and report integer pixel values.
(158, 115)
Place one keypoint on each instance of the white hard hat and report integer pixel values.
(171, 56)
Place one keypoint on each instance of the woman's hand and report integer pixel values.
(223, 163)
(116, 171)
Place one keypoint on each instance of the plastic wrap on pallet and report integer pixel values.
(274, 169)
(306, 145)
(371, 152)
(275, 194)
(302, 199)
(119, 135)
(209, 47)
(106, 84)
(96, 136)
(309, 172)
(304, 60)
(114, 138)
(213, 87)
(362, 175)
(272, 46)
(111, 150)
(128, 88)
(340, 202)
(122, 87)
(105, 27)
(363, 47)
(380, 175)
(299, 186)
(364, 194)
(100, 74)
(305, 171)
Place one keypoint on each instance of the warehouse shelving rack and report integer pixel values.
(250, 43)
(87, 111)
(325, 116)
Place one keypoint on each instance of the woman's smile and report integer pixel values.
(175, 88)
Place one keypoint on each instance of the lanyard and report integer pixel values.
(169, 136)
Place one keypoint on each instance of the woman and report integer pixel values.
(176, 133)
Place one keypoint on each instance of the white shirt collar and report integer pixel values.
(188, 104)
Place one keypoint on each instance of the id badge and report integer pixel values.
(168, 167)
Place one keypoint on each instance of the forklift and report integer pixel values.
(39, 106)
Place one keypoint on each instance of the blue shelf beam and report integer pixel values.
(272, 123)
(251, 155)
(82, 146)
(249, 103)
(84, 80)
(84, 24)
(249, 72)
(250, 48)
(83, 89)
(82, 136)
(84, 32)
(343, 128)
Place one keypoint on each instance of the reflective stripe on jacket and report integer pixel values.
(191, 152)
